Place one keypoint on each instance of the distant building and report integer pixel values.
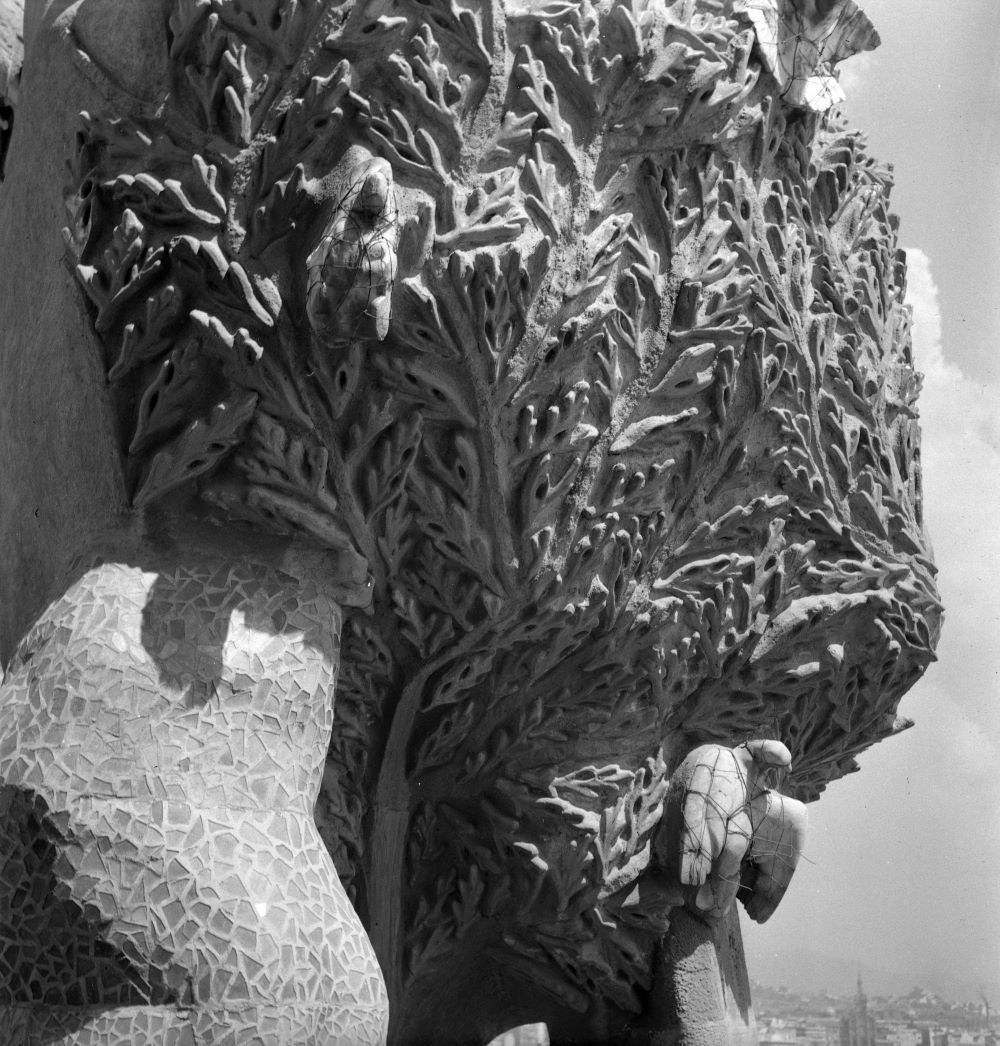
(857, 1028)
(777, 1033)
(814, 1032)
(526, 1035)
(907, 1035)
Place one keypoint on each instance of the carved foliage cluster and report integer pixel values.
(635, 467)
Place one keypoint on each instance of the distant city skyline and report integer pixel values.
(914, 1019)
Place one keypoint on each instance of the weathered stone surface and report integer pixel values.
(573, 335)
(11, 55)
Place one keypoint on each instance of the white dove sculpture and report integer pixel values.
(727, 833)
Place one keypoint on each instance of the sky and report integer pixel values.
(901, 878)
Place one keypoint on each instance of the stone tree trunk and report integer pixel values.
(462, 498)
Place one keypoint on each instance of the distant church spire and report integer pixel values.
(858, 1028)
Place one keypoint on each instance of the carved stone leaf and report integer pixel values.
(303, 127)
(602, 250)
(168, 202)
(197, 449)
(281, 27)
(166, 402)
(127, 270)
(654, 433)
(203, 263)
(143, 341)
(421, 324)
(410, 150)
(278, 216)
(693, 372)
(424, 381)
(489, 216)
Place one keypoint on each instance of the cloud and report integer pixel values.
(852, 75)
(952, 758)
(960, 454)
(961, 481)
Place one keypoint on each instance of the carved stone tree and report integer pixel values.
(485, 430)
